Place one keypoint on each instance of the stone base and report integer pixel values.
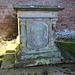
(38, 62)
(38, 57)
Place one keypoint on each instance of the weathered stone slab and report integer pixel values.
(8, 61)
(37, 8)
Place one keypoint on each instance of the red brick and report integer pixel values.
(8, 19)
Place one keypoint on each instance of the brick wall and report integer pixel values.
(8, 20)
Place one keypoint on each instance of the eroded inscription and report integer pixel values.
(38, 34)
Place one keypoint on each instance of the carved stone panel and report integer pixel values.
(37, 34)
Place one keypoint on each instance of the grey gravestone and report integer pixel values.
(36, 27)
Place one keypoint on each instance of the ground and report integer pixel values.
(64, 69)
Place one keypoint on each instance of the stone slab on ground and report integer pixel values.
(8, 61)
(41, 70)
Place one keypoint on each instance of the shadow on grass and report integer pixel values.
(68, 47)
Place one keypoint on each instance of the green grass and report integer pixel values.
(68, 47)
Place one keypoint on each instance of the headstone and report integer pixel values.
(36, 27)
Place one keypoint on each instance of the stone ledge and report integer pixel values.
(37, 8)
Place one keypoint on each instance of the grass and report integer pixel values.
(68, 47)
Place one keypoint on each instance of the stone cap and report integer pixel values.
(37, 8)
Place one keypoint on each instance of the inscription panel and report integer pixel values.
(38, 34)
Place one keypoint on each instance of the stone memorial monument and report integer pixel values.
(36, 27)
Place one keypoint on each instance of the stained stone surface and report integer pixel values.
(37, 35)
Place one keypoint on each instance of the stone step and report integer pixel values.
(8, 61)
(42, 54)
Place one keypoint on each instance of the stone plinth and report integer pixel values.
(36, 26)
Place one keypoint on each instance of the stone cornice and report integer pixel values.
(37, 8)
